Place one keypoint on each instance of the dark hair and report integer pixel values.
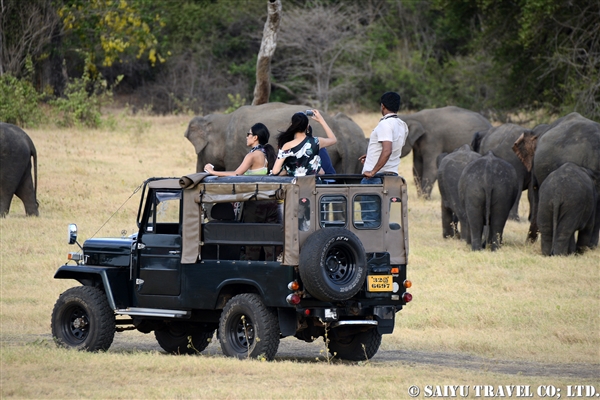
(391, 101)
(299, 124)
(262, 133)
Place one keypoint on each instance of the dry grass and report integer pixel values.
(513, 304)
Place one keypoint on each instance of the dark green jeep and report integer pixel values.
(256, 258)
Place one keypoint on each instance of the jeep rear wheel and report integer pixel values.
(333, 264)
(359, 346)
(248, 329)
(82, 319)
(177, 341)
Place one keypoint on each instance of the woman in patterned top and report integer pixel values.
(260, 159)
(299, 153)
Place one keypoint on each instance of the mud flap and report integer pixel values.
(385, 316)
(287, 321)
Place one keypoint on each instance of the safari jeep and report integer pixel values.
(256, 259)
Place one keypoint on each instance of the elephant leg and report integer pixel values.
(584, 237)
(514, 211)
(26, 192)
(5, 201)
(418, 170)
(564, 243)
(429, 177)
(465, 231)
(596, 229)
(495, 235)
(475, 218)
(546, 243)
(448, 226)
(7, 191)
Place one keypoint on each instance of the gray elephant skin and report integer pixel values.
(500, 140)
(487, 189)
(449, 171)
(572, 138)
(436, 131)
(568, 203)
(16, 154)
(220, 138)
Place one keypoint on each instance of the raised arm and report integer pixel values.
(330, 139)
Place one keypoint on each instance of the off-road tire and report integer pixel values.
(175, 341)
(333, 264)
(351, 347)
(248, 329)
(83, 320)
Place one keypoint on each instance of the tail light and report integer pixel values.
(407, 284)
(407, 297)
(293, 299)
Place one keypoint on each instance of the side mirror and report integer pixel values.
(72, 233)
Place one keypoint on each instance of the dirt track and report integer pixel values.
(294, 349)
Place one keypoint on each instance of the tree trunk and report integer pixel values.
(262, 90)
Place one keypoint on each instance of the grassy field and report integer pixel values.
(513, 304)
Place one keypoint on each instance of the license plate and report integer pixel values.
(379, 283)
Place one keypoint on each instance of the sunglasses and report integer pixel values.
(249, 133)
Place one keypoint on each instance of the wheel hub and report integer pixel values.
(79, 323)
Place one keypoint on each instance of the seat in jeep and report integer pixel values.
(220, 213)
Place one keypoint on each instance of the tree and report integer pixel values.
(26, 27)
(262, 90)
(321, 48)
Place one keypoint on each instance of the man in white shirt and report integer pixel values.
(383, 153)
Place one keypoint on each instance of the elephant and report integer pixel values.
(500, 140)
(572, 138)
(487, 189)
(568, 202)
(435, 131)
(217, 138)
(449, 171)
(16, 151)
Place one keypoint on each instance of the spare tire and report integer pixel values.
(333, 264)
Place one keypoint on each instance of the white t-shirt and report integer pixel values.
(390, 129)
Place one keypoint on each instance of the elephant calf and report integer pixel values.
(568, 202)
(16, 153)
(487, 188)
(449, 171)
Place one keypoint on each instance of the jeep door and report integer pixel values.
(159, 247)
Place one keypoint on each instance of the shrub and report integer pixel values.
(19, 102)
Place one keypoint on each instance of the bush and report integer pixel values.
(82, 102)
(19, 102)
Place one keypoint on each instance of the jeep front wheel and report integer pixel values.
(333, 264)
(82, 319)
(248, 329)
(359, 346)
(180, 341)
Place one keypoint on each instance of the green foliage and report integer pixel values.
(236, 102)
(19, 99)
(111, 31)
(82, 103)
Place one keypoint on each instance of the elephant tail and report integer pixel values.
(488, 211)
(33, 153)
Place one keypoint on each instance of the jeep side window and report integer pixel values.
(395, 213)
(332, 211)
(304, 214)
(366, 211)
(165, 211)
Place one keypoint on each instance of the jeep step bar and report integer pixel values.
(152, 312)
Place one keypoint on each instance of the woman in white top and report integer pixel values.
(260, 159)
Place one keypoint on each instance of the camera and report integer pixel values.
(309, 113)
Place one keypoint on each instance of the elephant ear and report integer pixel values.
(415, 131)
(524, 147)
(197, 133)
